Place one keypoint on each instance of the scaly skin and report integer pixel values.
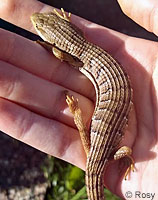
(113, 94)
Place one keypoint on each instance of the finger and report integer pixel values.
(18, 12)
(144, 13)
(24, 9)
(39, 95)
(42, 133)
(36, 60)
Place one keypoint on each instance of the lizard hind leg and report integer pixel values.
(78, 119)
(126, 152)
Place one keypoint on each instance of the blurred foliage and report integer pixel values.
(66, 182)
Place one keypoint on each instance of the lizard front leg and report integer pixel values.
(60, 54)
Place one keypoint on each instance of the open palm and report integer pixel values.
(33, 103)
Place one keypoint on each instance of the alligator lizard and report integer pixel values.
(113, 95)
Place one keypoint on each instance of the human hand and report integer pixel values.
(33, 104)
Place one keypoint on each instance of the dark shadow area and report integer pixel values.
(20, 164)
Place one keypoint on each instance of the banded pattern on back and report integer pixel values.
(113, 104)
(113, 94)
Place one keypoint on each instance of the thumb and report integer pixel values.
(145, 13)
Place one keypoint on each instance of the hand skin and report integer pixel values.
(33, 104)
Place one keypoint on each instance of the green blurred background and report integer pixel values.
(22, 168)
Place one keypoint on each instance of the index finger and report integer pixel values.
(18, 12)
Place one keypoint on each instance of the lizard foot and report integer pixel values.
(63, 14)
(72, 103)
(126, 152)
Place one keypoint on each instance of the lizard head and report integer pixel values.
(57, 31)
(45, 24)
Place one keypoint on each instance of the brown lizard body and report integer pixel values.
(113, 95)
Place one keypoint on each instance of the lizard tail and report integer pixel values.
(94, 186)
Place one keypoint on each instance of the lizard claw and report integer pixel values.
(72, 103)
(63, 14)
